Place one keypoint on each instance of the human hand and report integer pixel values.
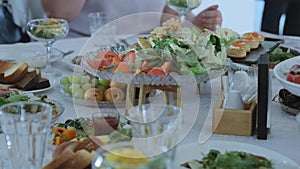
(208, 18)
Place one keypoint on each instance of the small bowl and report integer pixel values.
(284, 98)
(281, 71)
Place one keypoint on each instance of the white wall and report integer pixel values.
(238, 15)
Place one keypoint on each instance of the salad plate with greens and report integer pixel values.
(9, 96)
(229, 155)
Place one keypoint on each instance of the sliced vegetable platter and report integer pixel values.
(178, 56)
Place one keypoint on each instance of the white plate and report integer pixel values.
(33, 53)
(281, 71)
(68, 60)
(60, 108)
(195, 151)
(39, 90)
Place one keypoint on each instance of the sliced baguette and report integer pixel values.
(56, 163)
(42, 84)
(90, 144)
(59, 149)
(4, 65)
(80, 160)
(29, 80)
(15, 73)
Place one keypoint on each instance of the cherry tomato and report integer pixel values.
(296, 79)
(290, 77)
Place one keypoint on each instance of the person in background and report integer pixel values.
(76, 11)
(274, 10)
(14, 16)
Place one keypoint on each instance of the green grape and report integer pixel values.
(79, 94)
(74, 87)
(86, 86)
(101, 88)
(65, 80)
(67, 89)
(85, 79)
(75, 79)
(94, 82)
(104, 82)
(71, 78)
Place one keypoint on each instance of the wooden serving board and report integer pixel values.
(253, 56)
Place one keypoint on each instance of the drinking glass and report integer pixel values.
(105, 122)
(48, 31)
(156, 123)
(99, 19)
(183, 7)
(26, 126)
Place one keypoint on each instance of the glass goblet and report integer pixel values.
(183, 7)
(48, 31)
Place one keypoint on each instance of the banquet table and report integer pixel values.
(283, 137)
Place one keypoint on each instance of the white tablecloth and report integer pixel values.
(284, 136)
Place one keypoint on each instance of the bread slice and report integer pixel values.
(29, 81)
(56, 163)
(4, 65)
(38, 72)
(15, 73)
(59, 149)
(42, 84)
(90, 144)
(80, 160)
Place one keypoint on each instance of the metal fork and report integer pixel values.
(63, 52)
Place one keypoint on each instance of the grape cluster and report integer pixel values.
(77, 85)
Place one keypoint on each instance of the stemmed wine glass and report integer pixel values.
(183, 7)
(48, 31)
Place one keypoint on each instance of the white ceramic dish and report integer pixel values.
(60, 108)
(40, 90)
(68, 61)
(194, 151)
(281, 71)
